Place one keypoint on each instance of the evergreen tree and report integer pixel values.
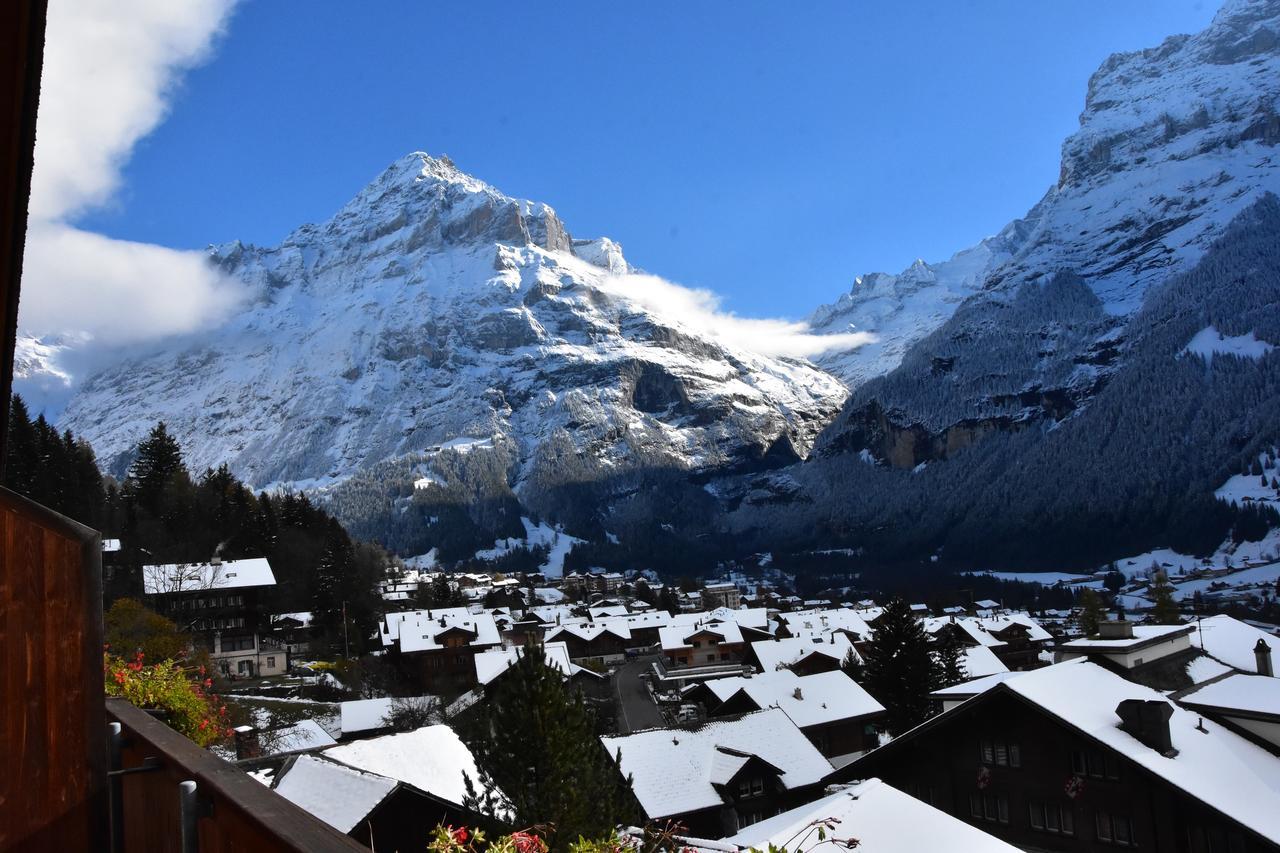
(853, 667)
(900, 668)
(534, 741)
(1092, 612)
(159, 460)
(1165, 611)
(951, 660)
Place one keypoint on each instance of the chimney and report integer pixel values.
(798, 694)
(247, 744)
(1262, 653)
(1148, 721)
(1119, 629)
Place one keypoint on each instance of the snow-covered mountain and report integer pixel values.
(432, 310)
(1173, 143)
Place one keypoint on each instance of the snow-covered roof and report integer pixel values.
(971, 628)
(997, 623)
(610, 610)
(821, 623)
(189, 577)
(672, 769)
(747, 617)
(980, 661)
(432, 759)
(680, 636)
(590, 630)
(338, 795)
(808, 700)
(110, 546)
(362, 715)
(1204, 668)
(974, 686)
(419, 630)
(304, 734)
(493, 662)
(776, 654)
(1142, 635)
(881, 817)
(303, 617)
(1255, 694)
(1213, 764)
(1231, 641)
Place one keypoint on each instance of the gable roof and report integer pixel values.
(494, 662)
(680, 636)
(674, 770)
(418, 630)
(1250, 694)
(823, 698)
(880, 816)
(785, 651)
(1214, 765)
(432, 759)
(1231, 641)
(193, 577)
(980, 661)
(340, 796)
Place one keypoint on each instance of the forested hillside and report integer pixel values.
(162, 513)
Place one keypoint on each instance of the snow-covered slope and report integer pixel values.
(433, 308)
(1173, 142)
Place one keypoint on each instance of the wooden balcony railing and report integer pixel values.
(173, 793)
(52, 726)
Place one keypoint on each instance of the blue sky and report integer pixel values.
(767, 151)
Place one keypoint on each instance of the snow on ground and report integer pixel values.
(1042, 578)
(464, 444)
(425, 482)
(422, 561)
(535, 536)
(1249, 487)
(1209, 342)
(1267, 575)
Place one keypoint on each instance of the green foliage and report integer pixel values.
(131, 627)
(1165, 611)
(1092, 612)
(951, 660)
(900, 668)
(167, 687)
(534, 741)
(58, 471)
(853, 667)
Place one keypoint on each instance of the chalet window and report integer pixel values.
(1114, 829)
(989, 807)
(1001, 753)
(757, 787)
(271, 662)
(1047, 817)
(744, 788)
(697, 644)
(1095, 764)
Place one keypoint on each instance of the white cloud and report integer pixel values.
(700, 311)
(111, 69)
(117, 291)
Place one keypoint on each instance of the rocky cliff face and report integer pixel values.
(1174, 142)
(434, 310)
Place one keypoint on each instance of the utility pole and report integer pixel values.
(346, 642)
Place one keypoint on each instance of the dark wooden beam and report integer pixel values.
(22, 24)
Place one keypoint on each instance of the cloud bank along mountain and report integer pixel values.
(110, 71)
(438, 332)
